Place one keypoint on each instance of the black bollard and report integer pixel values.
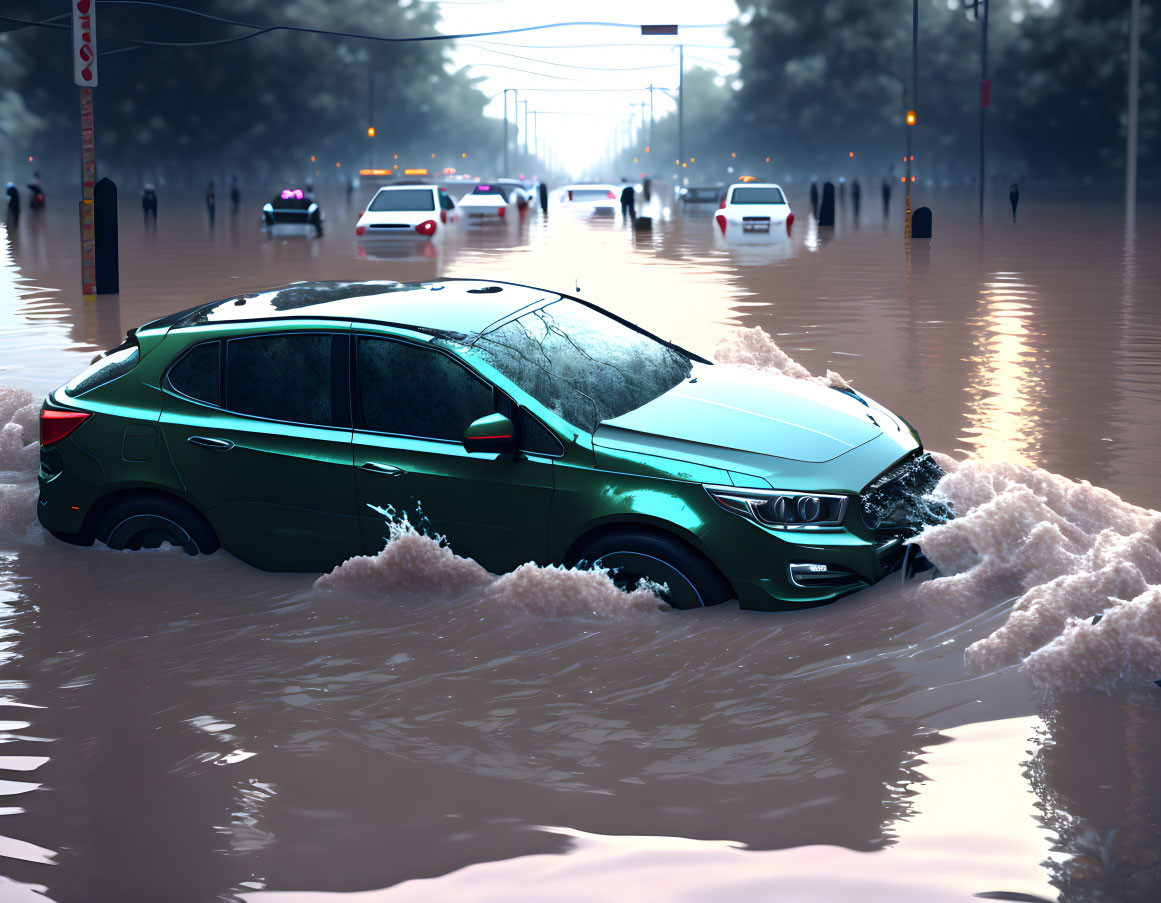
(544, 197)
(826, 208)
(921, 223)
(105, 237)
(643, 224)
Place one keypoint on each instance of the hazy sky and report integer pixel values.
(578, 124)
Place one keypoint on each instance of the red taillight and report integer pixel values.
(361, 212)
(501, 211)
(722, 205)
(427, 227)
(789, 222)
(612, 195)
(443, 217)
(359, 230)
(570, 195)
(721, 218)
(55, 425)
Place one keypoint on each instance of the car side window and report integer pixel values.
(415, 391)
(536, 438)
(281, 377)
(198, 373)
(445, 200)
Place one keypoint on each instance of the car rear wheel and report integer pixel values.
(690, 581)
(148, 521)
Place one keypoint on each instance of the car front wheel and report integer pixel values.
(687, 578)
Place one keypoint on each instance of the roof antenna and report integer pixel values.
(576, 283)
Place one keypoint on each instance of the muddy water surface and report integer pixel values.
(193, 729)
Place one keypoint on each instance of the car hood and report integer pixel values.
(745, 413)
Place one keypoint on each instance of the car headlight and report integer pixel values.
(804, 511)
(269, 208)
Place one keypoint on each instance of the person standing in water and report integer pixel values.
(814, 199)
(856, 194)
(235, 197)
(211, 203)
(13, 203)
(149, 204)
(1014, 197)
(886, 199)
(628, 203)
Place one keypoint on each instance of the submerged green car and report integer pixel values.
(522, 424)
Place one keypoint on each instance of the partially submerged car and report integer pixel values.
(527, 425)
(493, 201)
(407, 210)
(604, 198)
(754, 208)
(292, 207)
(701, 194)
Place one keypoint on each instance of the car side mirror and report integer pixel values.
(494, 433)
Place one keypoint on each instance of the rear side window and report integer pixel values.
(415, 391)
(403, 199)
(116, 363)
(283, 377)
(198, 373)
(445, 200)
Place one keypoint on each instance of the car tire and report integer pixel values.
(147, 520)
(629, 555)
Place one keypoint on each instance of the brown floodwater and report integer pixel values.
(189, 729)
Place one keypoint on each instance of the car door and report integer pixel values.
(412, 403)
(259, 430)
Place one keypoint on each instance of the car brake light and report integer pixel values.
(613, 196)
(55, 425)
(570, 195)
(443, 217)
(359, 230)
(789, 222)
(361, 212)
(722, 205)
(427, 227)
(501, 211)
(721, 218)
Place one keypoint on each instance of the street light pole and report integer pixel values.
(506, 90)
(650, 115)
(1131, 135)
(985, 100)
(680, 102)
(911, 114)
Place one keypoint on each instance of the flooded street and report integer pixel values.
(193, 729)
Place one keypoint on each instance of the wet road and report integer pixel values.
(192, 729)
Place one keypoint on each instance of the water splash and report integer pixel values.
(19, 410)
(755, 350)
(417, 560)
(1068, 551)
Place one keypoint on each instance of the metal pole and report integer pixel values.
(524, 137)
(651, 116)
(506, 90)
(1131, 137)
(371, 108)
(914, 107)
(681, 103)
(985, 99)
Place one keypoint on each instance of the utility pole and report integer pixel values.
(535, 133)
(651, 116)
(85, 77)
(506, 90)
(681, 103)
(371, 111)
(985, 101)
(524, 137)
(1131, 137)
(911, 114)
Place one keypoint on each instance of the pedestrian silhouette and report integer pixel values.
(856, 195)
(544, 197)
(13, 203)
(211, 203)
(814, 199)
(1014, 197)
(628, 203)
(842, 193)
(149, 205)
(235, 197)
(886, 199)
(647, 188)
(36, 193)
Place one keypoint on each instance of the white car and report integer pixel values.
(523, 191)
(491, 201)
(407, 210)
(754, 208)
(592, 198)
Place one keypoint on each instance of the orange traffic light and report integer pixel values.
(370, 131)
(911, 117)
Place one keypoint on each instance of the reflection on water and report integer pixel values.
(1006, 389)
(185, 729)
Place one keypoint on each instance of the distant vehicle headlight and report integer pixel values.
(783, 510)
(269, 208)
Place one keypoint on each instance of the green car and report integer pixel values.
(520, 423)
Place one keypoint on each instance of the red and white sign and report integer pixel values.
(85, 43)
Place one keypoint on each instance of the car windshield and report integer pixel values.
(769, 195)
(581, 363)
(403, 199)
(501, 190)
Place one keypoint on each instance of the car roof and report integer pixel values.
(413, 183)
(757, 185)
(449, 307)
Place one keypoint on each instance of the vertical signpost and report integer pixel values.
(85, 76)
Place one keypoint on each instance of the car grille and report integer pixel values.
(899, 503)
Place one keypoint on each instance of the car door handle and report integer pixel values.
(208, 442)
(387, 470)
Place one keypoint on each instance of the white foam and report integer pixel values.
(1067, 551)
(413, 562)
(19, 411)
(755, 350)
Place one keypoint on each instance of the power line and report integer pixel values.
(569, 65)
